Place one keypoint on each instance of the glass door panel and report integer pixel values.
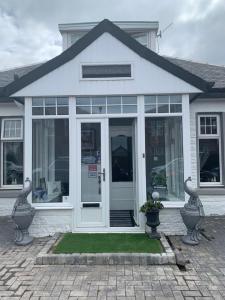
(91, 162)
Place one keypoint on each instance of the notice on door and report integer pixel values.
(92, 171)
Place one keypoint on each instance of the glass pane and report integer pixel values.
(83, 101)
(37, 111)
(163, 99)
(209, 160)
(202, 120)
(50, 101)
(202, 129)
(62, 110)
(176, 99)
(50, 110)
(12, 163)
(129, 100)
(163, 108)
(90, 162)
(106, 71)
(83, 110)
(99, 101)
(50, 160)
(150, 100)
(12, 129)
(114, 109)
(62, 101)
(129, 108)
(98, 109)
(214, 129)
(164, 158)
(208, 120)
(121, 153)
(114, 100)
(150, 108)
(37, 102)
(175, 108)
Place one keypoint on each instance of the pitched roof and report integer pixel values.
(9, 75)
(91, 36)
(207, 72)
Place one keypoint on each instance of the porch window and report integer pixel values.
(106, 105)
(50, 160)
(50, 106)
(209, 143)
(163, 104)
(164, 157)
(12, 152)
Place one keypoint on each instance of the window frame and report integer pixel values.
(108, 64)
(217, 136)
(12, 140)
(3, 126)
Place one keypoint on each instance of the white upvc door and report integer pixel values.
(92, 209)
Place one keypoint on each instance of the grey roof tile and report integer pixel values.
(7, 76)
(205, 71)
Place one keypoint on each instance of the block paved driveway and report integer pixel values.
(204, 279)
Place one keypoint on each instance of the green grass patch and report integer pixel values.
(107, 243)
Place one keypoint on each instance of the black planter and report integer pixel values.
(153, 222)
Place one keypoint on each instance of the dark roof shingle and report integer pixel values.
(205, 71)
(7, 76)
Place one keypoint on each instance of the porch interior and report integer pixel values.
(122, 172)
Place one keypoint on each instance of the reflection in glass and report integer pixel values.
(50, 160)
(90, 162)
(121, 153)
(12, 163)
(209, 160)
(164, 157)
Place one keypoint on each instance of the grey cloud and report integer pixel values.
(29, 32)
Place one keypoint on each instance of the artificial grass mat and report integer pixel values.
(107, 243)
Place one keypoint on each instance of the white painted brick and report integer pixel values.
(48, 222)
(6, 206)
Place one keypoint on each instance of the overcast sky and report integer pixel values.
(29, 28)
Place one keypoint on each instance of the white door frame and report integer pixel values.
(104, 204)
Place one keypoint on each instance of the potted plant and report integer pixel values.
(151, 210)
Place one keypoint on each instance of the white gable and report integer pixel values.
(147, 77)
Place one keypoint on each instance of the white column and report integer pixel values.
(141, 178)
(186, 137)
(72, 157)
(28, 140)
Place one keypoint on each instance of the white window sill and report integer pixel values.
(11, 187)
(208, 185)
(52, 207)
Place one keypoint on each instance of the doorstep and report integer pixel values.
(45, 257)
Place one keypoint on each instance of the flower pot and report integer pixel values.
(153, 221)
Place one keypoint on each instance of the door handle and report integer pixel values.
(102, 173)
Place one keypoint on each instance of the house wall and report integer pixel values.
(213, 199)
(47, 222)
(6, 206)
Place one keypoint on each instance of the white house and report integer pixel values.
(107, 122)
